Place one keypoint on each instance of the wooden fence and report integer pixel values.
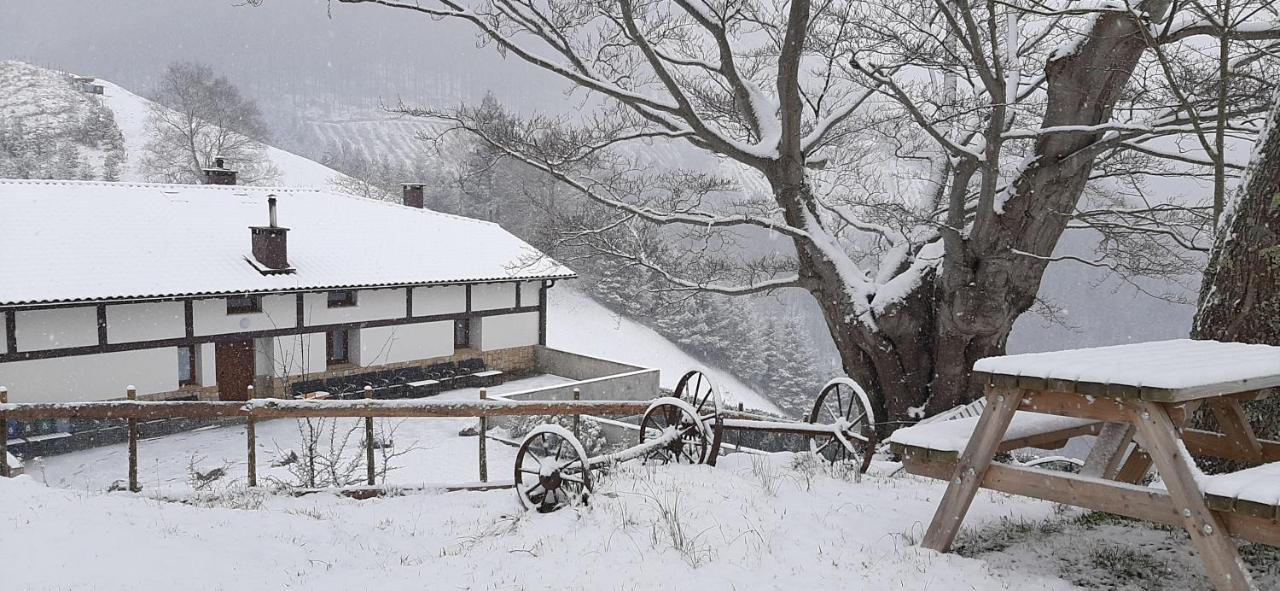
(254, 410)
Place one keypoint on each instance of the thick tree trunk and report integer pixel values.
(1240, 296)
(916, 356)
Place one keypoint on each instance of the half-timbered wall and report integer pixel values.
(63, 342)
(371, 304)
(152, 321)
(508, 330)
(91, 377)
(493, 296)
(445, 299)
(55, 329)
(406, 342)
(211, 318)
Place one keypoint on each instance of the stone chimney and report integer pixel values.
(270, 243)
(413, 195)
(219, 174)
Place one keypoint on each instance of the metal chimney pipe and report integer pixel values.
(271, 210)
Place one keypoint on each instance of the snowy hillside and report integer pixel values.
(82, 130)
(131, 116)
(51, 128)
(579, 324)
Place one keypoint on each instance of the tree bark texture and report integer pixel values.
(1240, 295)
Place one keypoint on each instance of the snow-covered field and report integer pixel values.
(747, 524)
(579, 324)
(753, 522)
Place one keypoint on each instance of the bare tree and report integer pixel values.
(921, 159)
(197, 115)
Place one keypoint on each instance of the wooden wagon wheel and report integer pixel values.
(551, 470)
(842, 402)
(693, 440)
(696, 388)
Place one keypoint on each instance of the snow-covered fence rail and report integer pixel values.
(273, 408)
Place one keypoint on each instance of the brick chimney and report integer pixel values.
(270, 244)
(219, 174)
(413, 195)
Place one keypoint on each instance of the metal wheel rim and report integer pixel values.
(697, 389)
(692, 445)
(550, 490)
(842, 398)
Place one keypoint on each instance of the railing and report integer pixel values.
(254, 410)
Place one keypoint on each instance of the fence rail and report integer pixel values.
(273, 408)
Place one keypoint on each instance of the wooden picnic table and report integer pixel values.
(1140, 394)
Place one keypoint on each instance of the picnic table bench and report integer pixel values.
(1136, 399)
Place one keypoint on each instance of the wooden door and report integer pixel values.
(233, 361)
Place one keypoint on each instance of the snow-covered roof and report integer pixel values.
(1176, 365)
(83, 240)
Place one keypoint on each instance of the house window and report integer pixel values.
(338, 346)
(462, 333)
(342, 299)
(187, 366)
(244, 304)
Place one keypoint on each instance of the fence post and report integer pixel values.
(132, 393)
(251, 436)
(738, 435)
(4, 435)
(577, 418)
(368, 442)
(484, 429)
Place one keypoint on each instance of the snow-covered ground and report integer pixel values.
(131, 117)
(579, 324)
(753, 522)
(747, 524)
(435, 452)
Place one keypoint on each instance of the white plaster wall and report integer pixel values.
(449, 299)
(263, 356)
(491, 296)
(205, 360)
(91, 377)
(129, 323)
(371, 304)
(530, 293)
(210, 316)
(406, 342)
(57, 328)
(290, 355)
(507, 330)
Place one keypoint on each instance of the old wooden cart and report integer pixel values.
(552, 469)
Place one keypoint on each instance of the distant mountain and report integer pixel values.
(53, 126)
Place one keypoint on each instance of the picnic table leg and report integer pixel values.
(1159, 435)
(1135, 467)
(1235, 425)
(971, 468)
(1108, 451)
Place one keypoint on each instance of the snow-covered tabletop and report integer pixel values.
(1163, 370)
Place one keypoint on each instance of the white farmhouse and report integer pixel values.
(199, 291)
